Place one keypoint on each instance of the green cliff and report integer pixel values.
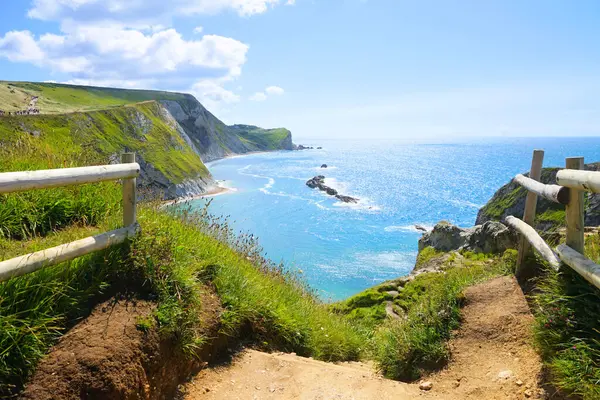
(171, 133)
(510, 200)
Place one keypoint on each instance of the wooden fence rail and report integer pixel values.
(21, 181)
(555, 193)
(570, 192)
(534, 239)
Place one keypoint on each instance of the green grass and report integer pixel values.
(430, 304)
(511, 193)
(404, 350)
(53, 141)
(171, 262)
(567, 328)
(426, 255)
(554, 216)
(60, 98)
(261, 139)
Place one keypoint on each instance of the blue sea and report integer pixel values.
(342, 249)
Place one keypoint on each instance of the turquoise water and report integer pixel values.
(342, 249)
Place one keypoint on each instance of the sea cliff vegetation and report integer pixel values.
(180, 255)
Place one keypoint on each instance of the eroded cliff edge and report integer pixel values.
(172, 134)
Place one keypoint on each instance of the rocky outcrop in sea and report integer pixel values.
(318, 182)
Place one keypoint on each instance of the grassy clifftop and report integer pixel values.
(172, 133)
(57, 98)
(93, 137)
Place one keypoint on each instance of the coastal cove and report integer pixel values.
(340, 248)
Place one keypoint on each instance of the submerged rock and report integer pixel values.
(420, 228)
(318, 182)
(324, 166)
(346, 199)
(491, 237)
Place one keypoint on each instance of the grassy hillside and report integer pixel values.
(211, 137)
(259, 138)
(91, 138)
(59, 98)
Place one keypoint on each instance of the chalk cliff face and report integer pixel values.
(212, 139)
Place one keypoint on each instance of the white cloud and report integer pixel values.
(269, 91)
(274, 90)
(212, 94)
(115, 56)
(128, 43)
(20, 46)
(258, 96)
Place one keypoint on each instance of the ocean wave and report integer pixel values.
(364, 204)
(266, 187)
(407, 228)
(464, 203)
(317, 204)
(292, 177)
(333, 183)
(325, 169)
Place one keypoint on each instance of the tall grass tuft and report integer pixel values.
(404, 349)
(567, 328)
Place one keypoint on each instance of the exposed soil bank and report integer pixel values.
(492, 358)
(108, 356)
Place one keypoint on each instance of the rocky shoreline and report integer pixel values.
(318, 182)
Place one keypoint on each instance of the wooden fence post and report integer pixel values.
(535, 173)
(129, 193)
(574, 210)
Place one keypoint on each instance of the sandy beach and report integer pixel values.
(211, 192)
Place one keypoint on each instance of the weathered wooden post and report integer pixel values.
(129, 193)
(574, 210)
(529, 215)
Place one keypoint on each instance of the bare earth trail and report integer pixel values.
(492, 358)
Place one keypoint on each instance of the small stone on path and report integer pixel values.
(506, 374)
(426, 385)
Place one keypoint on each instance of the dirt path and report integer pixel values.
(492, 356)
(492, 359)
(256, 375)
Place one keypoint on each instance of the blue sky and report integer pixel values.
(333, 68)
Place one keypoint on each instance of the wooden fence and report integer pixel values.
(22, 181)
(573, 182)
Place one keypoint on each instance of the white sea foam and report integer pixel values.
(464, 203)
(318, 204)
(333, 183)
(407, 228)
(363, 204)
(266, 187)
